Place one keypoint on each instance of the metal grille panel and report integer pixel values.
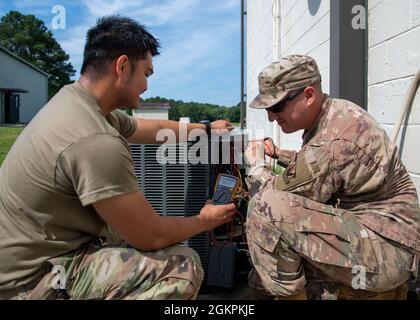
(173, 189)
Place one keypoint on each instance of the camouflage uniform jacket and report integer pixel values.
(347, 160)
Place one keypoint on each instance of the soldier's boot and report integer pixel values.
(300, 296)
(348, 293)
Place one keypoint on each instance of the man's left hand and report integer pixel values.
(221, 125)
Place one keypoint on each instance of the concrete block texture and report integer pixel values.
(303, 30)
(394, 59)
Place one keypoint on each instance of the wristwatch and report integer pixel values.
(208, 126)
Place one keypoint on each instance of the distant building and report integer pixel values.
(152, 110)
(23, 88)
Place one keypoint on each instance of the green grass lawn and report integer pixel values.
(8, 136)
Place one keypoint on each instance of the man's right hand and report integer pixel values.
(214, 216)
(270, 149)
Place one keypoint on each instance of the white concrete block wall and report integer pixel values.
(305, 33)
(394, 58)
(259, 40)
(300, 33)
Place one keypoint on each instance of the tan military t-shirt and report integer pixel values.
(68, 157)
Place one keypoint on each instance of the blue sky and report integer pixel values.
(200, 54)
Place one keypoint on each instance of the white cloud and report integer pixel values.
(148, 12)
(184, 53)
(199, 61)
(73, 42)
(100, 8)
(168, 11)
(191, 45)
(225, 5)
(35, 7)
(34, 3)
(195, 52)
(197, 37)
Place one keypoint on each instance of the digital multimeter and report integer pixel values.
(226, 187)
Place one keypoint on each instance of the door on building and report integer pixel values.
(11, 108)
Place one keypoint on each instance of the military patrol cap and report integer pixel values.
(287, 75)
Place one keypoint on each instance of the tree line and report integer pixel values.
(199, 111)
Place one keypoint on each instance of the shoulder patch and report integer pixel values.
(311, 160)
(305, 168)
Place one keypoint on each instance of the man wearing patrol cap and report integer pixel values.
(343, 220)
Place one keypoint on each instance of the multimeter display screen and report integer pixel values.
(226, 182)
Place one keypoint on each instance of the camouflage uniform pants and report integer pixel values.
(122, 272)
(294, 241)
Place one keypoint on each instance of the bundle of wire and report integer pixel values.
(241, 195)
(272, 153)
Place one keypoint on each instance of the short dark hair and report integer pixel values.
(113, 36)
